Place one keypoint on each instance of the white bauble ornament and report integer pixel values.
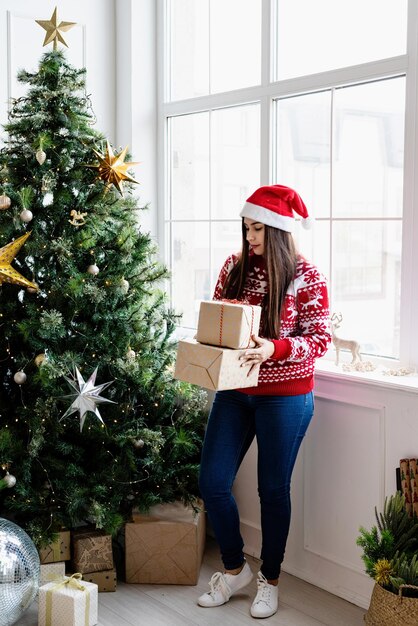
(139, 443)
(93, 270)
(26, 215)
(20, 377)
(131, 354)
(10, 480)
(40, 156)
(124, 285)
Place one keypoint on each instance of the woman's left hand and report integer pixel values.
(255, 356)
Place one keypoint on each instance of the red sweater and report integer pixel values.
(304, 330)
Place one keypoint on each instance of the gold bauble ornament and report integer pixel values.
(53, 30)
(112, 169)
(39, 359)
(7, 273)
(40, 156)
(5, 202)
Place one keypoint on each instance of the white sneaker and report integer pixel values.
(266, 601)
(223, 586)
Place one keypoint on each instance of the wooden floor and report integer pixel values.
(301, 604)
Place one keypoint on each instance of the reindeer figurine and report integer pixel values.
(348, 344)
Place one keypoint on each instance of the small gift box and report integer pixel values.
(228, 324)
(211, 367)
(51, 572)
(92, 552)
(105, 581)
(70, 602)
(58, 550)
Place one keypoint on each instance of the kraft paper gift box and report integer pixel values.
(92, 552)
(228, 324)
(212, 367)
(59, 550)
(51, 572)
(105, 581)
(68, 603)
(166, 546)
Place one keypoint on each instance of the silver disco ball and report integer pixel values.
(19, 572)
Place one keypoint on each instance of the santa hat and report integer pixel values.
(274, 205)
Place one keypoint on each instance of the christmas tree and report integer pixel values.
(92, 423)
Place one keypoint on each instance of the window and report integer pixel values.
(264, 91)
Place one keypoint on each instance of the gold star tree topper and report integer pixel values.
(53, 29)
(112, 169)
(7, 273)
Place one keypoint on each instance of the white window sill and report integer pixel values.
(327, 369)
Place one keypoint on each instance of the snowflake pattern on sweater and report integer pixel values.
(305, 325)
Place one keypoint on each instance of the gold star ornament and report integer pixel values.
(7, 273)
(112, 168)
(53, 29)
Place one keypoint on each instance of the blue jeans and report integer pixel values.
(279, 423)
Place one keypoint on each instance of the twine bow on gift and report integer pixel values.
(74, 583)
(221, 320)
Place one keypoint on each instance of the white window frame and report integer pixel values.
(265, 93)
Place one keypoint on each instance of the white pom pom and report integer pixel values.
(307, 223)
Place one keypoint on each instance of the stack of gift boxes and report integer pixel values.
(212, 359)
(66, 598)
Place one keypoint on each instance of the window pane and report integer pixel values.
(235, 158)
(190, 270)
(323, 35)
(226, 240)
(235, 44)
(303, 148)
(215, 46)
(189, 59)
(366, 283)
(314, 244)
(368, 154)
(189, 166)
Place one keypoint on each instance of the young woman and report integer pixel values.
(294, 332)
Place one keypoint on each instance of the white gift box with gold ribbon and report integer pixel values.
(70, 602)
(52, 572)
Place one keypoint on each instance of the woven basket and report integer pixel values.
(388, 609)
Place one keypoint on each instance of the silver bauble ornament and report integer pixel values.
(93, 269)
(5, 202)
(139, 443)
(40, 156)
(26, 216)
(20, 377)
(10, 481)
(19, 572)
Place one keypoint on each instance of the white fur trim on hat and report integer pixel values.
(268, 217)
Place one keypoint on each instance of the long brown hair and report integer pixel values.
(281, 258)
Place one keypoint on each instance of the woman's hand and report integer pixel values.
(255, 356)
